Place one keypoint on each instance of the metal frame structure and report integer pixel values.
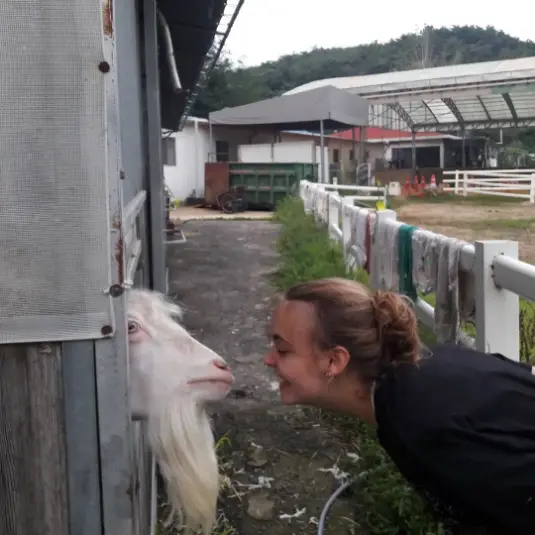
(193, 35)
(476, 96)
(77, 460)
(223, 30)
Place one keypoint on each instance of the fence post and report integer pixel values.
(346, 226)
(532, 189)
(465, 185)
(497, 309)
(305, 194)
(334, 213)
(456, 186)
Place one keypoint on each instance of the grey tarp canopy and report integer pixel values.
(301, 111)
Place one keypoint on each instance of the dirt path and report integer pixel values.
(280, 465)
(472, 222)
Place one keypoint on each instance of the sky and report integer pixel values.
(268, 29)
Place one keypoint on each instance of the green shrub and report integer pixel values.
(388, 504)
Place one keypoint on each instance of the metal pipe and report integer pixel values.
(133, 208)
(169, 52)
(322, 154)
(354, 149)
(132, 263)
(211, 138)
(413, 154)
(154, 173)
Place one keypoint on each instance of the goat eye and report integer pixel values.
(133, 327)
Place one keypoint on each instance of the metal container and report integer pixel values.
(265, 184)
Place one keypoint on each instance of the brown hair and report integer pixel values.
(378, 329)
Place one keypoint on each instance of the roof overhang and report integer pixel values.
(198, 30)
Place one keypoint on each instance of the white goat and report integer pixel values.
(172, 377)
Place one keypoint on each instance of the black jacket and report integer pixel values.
(460, 426)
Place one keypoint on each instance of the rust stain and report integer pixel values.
(119, 259)
(117, 225)
(107, 17)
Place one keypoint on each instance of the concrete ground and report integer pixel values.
(280, 464)
(189, 213)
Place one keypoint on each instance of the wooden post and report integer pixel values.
(33, 473)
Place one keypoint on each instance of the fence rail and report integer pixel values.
(499, 278)
(516, 183)
(361, 193)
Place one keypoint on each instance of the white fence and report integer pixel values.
(361, 193)
(489, 270)
(518, 183)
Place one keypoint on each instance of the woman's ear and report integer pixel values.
(339, 359)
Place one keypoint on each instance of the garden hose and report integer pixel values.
(329, 503)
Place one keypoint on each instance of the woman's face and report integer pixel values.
(302, 369)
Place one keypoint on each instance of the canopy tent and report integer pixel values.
(333, 107)
(317, 110)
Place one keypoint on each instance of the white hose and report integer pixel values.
(329, 503)
(169, 52)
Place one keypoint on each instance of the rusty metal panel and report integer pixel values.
(216, 180)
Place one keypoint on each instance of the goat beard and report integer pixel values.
(182, 441)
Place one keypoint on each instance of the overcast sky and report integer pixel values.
(268, 29)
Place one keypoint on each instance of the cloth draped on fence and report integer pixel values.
(408, 260)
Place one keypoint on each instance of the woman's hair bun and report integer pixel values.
(397, 328)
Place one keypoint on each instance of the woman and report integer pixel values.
(458, 423)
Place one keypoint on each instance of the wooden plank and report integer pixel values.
(81, 431)
(33, 474)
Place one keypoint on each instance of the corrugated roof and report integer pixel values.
(484, 95)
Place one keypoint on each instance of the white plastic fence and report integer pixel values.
(500, 278)
(518, 183)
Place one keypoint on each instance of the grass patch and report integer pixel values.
(503, 224)
(451, 198)
(527, 223)
(389, 506)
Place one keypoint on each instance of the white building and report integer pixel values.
(185, 153)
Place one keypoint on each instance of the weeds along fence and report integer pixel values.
(517, 183)
(497, 277)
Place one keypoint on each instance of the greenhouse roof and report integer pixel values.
(476, 96)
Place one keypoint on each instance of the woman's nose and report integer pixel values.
(269, 359)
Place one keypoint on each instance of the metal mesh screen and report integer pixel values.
(54, 221)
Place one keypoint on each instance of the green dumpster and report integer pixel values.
(265, 184)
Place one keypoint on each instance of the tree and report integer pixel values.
(233, 85)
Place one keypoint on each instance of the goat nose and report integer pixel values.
(221, 364)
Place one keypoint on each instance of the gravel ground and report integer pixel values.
(280, 464)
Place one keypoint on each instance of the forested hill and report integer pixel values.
(230, 86)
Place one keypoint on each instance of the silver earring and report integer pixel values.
(329, 379)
